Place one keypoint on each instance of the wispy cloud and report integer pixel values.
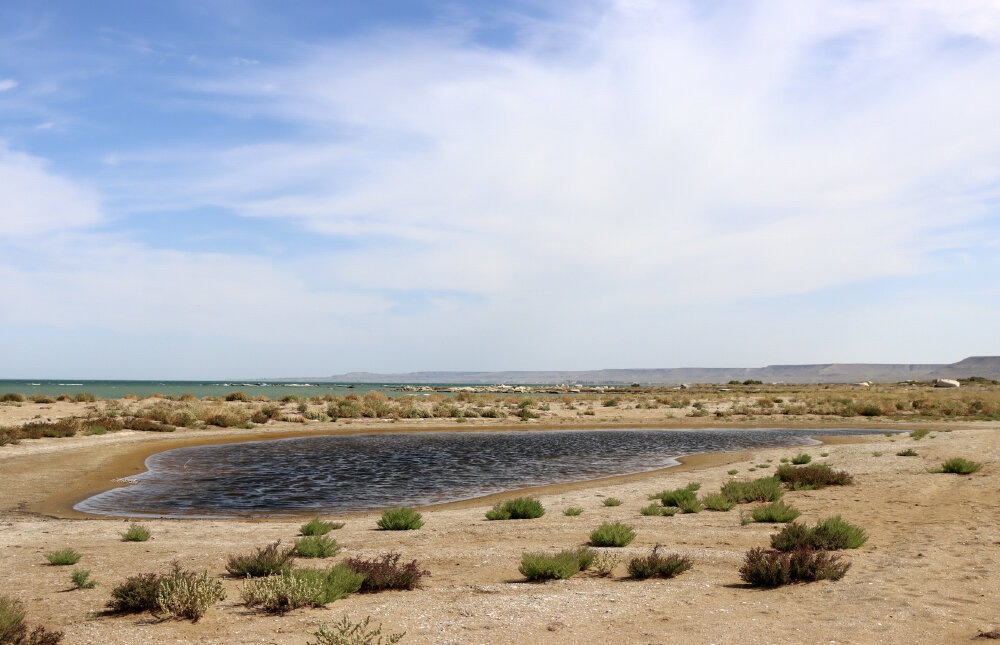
(7, 84)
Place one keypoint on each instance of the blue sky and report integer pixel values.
(247, 189)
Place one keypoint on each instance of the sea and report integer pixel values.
(270, 389)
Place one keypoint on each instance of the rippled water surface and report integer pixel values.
(341, 474)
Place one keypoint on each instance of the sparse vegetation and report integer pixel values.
(830, 534)
(520, 508)
(565, 564)
(605, 563)
(960, 466)
(777, 512)
(801, 459)
(186, 594)
(909, 452)
(316, 527)
(400, 519)
(81, 579)
(612, 534)
(294, 588)
(717, 502)
(657, 565)
(14, 629)
(763, 489)
(135, 533)
(63, 557)
(812, 477)
(769, 568)
(316, 546)
(136, 594)
(917, 435)
(263, 561)
(345, 632)
(573, 511)
(612, 501)
(385, 572)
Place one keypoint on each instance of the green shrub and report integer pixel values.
(295, 588)
(385, 572)
(652, 509)
(264, 561)
(768, 568)
(84, 397)
(14, 631)
(688, 505)
(11, 397)
(400, 519)
(316, 546)
(612, 534)
(81, 579)
(677, 496)
(732, 472)
(909, 452)
(63, 557)
(801, 459)
(917, 435)
(830, 534)
(812, 477)
(764, 489)
(656, 565)
(565, 564)
(960, 466)
(573, 511)
(777, 512)
(135, 533)
(612, 501)
(717, 502)
(344, 632)
(237, 396)
(186, 594)
(317, 526)
(136, 594)
(521, 508)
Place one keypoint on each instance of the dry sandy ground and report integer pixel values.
(928, 574)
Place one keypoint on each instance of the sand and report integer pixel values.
(928, 574)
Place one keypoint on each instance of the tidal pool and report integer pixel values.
(344, 474)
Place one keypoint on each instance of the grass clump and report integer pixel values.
(960, 466)
(605, 563)
(612, 534)
(565, 564)
(909, 452)
(316, 546)
(294, 588)
(14, 630)
(776, 512)
(135, 533)
(769, 568)
(612, 501)
(657, 565)
(345, 632)
(385, 572)
(678, 496)
(801, 459)
(186, 594)
(263, 561)
(81, 579)
(573, 511)
(655, 509)
(830, 534)
(316, 527)
(520, 508)
(400, 519)
(732, 472)
(812, 477)
(917, 435)
(717, 502)
(63, 557)
(763, 489)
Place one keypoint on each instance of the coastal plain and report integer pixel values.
(929, 573)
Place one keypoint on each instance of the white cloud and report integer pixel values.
(7, 84)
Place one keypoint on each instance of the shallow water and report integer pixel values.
(343, 474)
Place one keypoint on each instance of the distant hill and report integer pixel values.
(988, 366)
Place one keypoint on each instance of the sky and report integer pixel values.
(223, 188)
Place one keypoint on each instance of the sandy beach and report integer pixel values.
(928, 574)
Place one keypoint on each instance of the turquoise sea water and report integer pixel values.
(118, 389)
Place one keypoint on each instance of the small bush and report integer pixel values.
(316, 546)
(764, 489)
(830, 534)
(136, 594)
(317, 526)
(917, 435)
(81, 579)
(63, 557)
(732, 472)
(573, 511)
(656, 565)
(11, 397)
(344, 632)
(264, 561)
(801, 459)
(84, 397)
(385, 572)
(565, 564)
(677, 496)
(812, 477)
(605, 563)
(295, 588)
(612, 534)
(768, 568)
(654, 509)
(521, 508)
(237, 396)
(717, 502)
(14, 631)
(135, 533)
(960, 466)
(776, 512)
(909, 452)
(612, 501)
(400, 519)
(186, 594)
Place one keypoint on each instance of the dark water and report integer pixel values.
(342, 474)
